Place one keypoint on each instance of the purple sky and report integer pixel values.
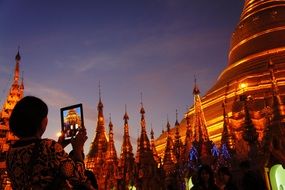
(130, 46)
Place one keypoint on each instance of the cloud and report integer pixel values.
(53, 96)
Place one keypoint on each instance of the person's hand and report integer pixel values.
(61, 140)
(78, 143)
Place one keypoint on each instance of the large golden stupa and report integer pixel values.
(257, 48)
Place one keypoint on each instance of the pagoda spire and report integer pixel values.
(127, 160)
(111, 154)
(127, 149)
(96, 156)
(177, 141)
(152, 147)
(111, 162)
(276, 101)
(169, 159)
(275, 92)
(16, 92)
(188, 140)
(100, 120)
(17, 67)
(227, 136)
(200, 126)
(201, 138)
(146, 165)
(144, 141)
(273, 145)
(249, 134)
(227, 148)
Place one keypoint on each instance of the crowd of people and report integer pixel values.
(225, 180)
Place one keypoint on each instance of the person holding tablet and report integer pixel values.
(36, 163)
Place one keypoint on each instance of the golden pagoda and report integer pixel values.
(15, 93)
(257, 42)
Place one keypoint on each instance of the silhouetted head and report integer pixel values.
(245, 165)
(224, 170)
(28, 117)
(224, 174)
(205, 174)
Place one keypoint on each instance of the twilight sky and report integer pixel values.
(130, 46)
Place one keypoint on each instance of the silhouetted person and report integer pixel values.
(251, 179)
(36, 163)
(225, 179)
(205, 179)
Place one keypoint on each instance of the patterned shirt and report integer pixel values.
(51, 162)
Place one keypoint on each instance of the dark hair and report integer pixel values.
(245, 164)
(27, 116)
(224, 170)
(208, 170)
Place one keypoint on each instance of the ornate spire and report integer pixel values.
(176, 121)
(188, 139)
(249, 134)
(177, 142)
(196, 90)
(146, 165)
(96, 156)
(227, 137)
(17, 68)
(18, 57)
(201, 141)
(277, 103)
(111, 150)
(142, 112)
(169, 159)
(100, 121)
(110, 162)
(144, 141)
(126, 146)
(15, 94)
(126, 117)
(127, 149)
(273, 145)
(200, 127)
(152, 147)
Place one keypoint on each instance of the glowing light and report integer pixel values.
(132, 187)
(190, 183)
(58, 134)
(243, 85)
